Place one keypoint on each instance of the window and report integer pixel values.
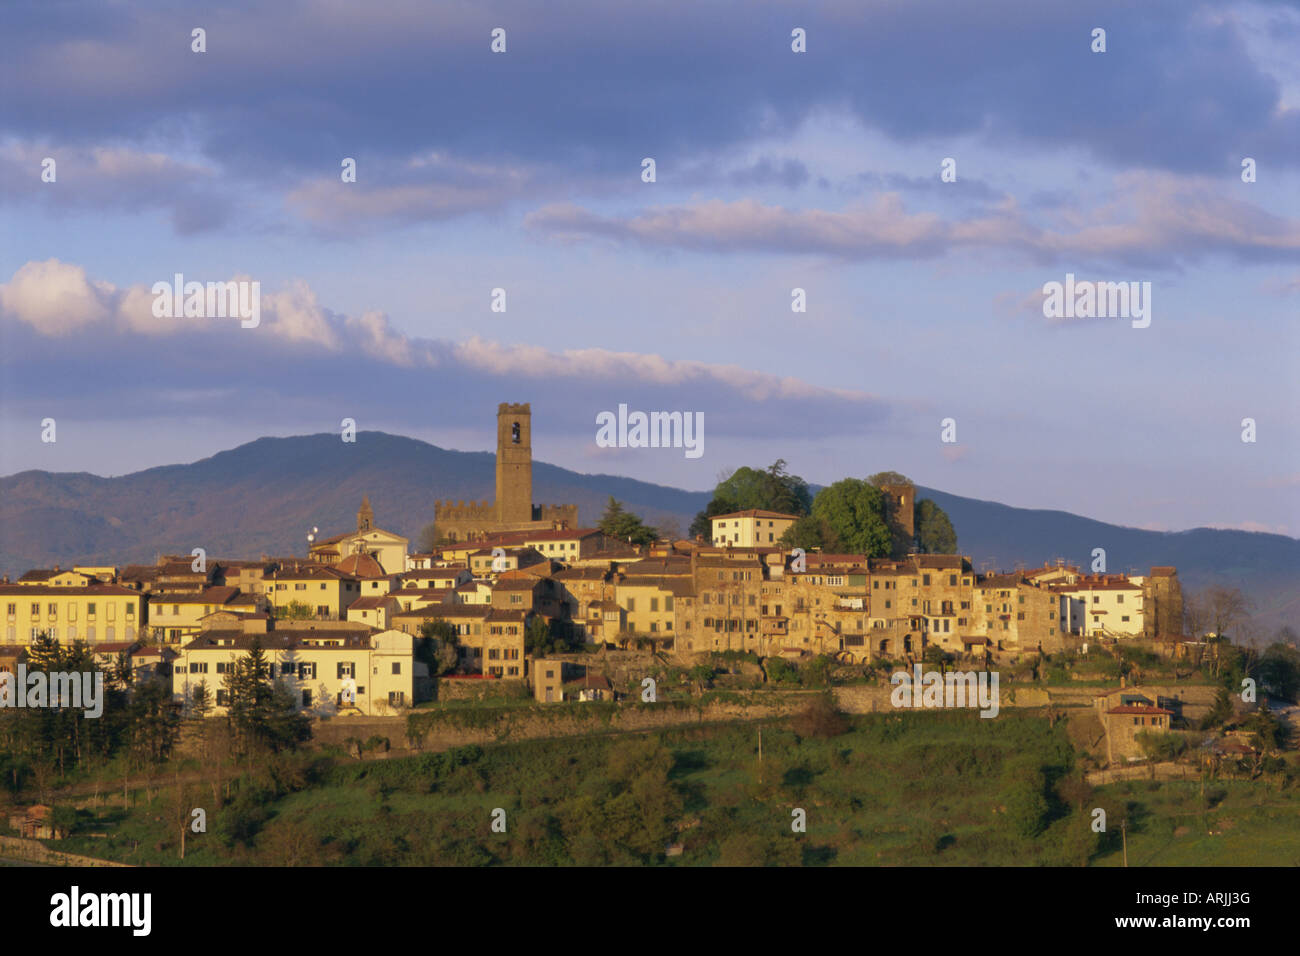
(396, 697)
(346, 669)
(221, 697)
(306, 698)
(631, 605)
(654, 604)
(397, 667)
(307, 671)
(221, 667)
(952, 580)
(925, 579)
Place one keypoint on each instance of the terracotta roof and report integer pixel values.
(755, 513)
(90, 590)
(515, 585)
(1140, 711)
(445, 611)
(275, 640)
(591, 682)
(309, 571)
(362, 566)
(946, 562)
(212, 595)
(581, 574)
(371, 603)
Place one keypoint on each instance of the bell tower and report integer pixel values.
(514, 502)
(365, 516)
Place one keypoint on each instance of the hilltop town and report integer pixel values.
(515, 625)
(509, 569)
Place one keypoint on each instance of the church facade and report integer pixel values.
(386, 547)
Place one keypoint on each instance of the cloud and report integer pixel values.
(116, 178)
(425, 188)
(1181, 88)
(304, 357)
(1172, 220)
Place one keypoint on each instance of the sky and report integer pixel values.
(774, 170)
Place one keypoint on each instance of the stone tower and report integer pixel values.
(901, 501)
(514, 463)
(365, 516)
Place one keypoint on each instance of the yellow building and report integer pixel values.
(54, 578)
(378, 671)
(648, 603)
(177, 617)
(327, 591)
(751, 529)
(99, 613)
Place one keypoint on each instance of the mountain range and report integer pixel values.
(264, 497)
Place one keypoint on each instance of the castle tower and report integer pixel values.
(365, 516)
(514, 463)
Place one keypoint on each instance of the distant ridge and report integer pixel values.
(264, 496)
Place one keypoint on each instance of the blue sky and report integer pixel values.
(775, 170)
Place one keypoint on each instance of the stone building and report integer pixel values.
(1163, 596)
(513, 509)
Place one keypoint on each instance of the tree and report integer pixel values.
(619, 523)
(541, 638)
(882, 478)
(1279, 672)
(1220, 711)
(934, 531)
(428, 539)
(438, 646)
(1023, 795)
(200, 700)
(772, 489)
(1220, 610)
(821, 718)
(156, 721)
(668, 529)
(1267, 733)
(262, 715)
(295, 611)
(812, 533)
(855, 512)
